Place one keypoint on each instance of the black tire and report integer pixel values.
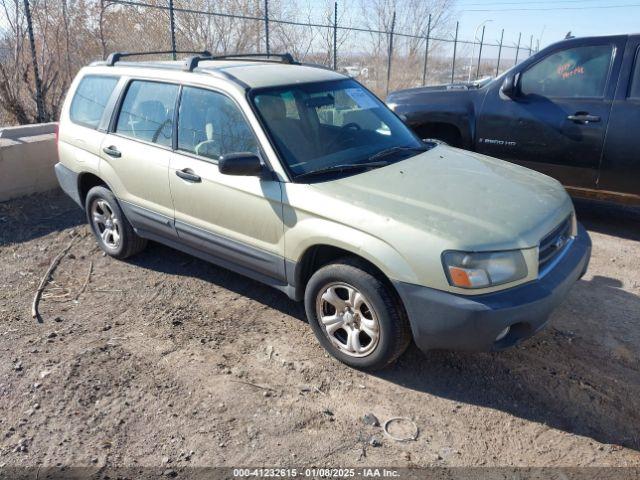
(129, 242)
(394, 330)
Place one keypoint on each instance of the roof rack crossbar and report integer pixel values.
(192, 62)
(117, 56)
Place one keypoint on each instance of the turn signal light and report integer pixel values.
(468, 277)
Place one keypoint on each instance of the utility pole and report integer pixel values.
(266, 25)
(426, 52)
(34, 59)
(393, 26)
(335, 36)
(455, 48)
(480, 54)
(499, 53)
(172, 25)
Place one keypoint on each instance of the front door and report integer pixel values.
(136, 155)
(557, 120)
(236, 219)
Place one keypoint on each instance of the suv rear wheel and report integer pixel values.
(355, 316)
(111, 228)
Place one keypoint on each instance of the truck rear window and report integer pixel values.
(90, 100)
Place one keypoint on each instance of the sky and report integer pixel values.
(546, 20)
(549, 20)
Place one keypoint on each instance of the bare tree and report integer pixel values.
(13, 70)
(412, 21)
(71, 33)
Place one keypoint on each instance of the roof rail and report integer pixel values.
(192, 62)
(117, 56)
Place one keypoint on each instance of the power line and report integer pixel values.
(600, 7)
(526, 3)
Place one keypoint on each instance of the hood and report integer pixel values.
(475, 85)
(412, 95)
(466, 200)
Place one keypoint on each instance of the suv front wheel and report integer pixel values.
(111, 228)
(355, 316)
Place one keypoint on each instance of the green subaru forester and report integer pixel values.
(301, 178)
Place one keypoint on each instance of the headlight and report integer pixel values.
(481, 270)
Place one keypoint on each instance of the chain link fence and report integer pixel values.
(69, 35)
(382, 59)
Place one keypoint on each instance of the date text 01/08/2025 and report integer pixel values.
(316, 472)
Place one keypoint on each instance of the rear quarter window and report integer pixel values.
(90, 99)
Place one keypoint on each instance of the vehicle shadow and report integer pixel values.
(576, 376)
(164, 259)
(619, 221)
(580, 375)
(37, 215)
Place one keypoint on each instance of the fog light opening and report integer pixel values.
(503, 334)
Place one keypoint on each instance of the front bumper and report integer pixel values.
(442, 320)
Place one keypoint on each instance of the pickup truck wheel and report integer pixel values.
(112, 230)
(355, 316)
(437, 141)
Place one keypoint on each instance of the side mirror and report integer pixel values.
(244, 163)
(509, 86)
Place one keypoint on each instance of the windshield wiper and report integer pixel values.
(346, 167)
(394, 150)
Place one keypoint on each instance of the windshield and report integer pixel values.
(321, 127)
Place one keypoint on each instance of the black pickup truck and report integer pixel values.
(571, 111)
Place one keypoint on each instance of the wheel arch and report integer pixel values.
(86, 181)
(448, 132)
(317, 255)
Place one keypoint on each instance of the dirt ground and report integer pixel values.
(165, 360)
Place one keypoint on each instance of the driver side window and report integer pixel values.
(211, 125)
(574, 72)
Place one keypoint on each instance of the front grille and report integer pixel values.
(553, 244)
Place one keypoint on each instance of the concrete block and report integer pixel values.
(27, 156)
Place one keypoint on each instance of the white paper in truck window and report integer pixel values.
(362, 98)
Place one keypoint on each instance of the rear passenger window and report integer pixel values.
(634, 92)
(147, 112)
(90, 100)
(211, 125)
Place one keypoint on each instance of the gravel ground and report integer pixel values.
(167, 361)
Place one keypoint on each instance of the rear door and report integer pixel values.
(557, 121)
(136, 154)
(620, 171)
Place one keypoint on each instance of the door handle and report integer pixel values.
(583, 118)
(112, 151)
(188, 175)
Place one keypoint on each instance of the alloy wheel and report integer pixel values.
(346, 317)
(105, 223)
